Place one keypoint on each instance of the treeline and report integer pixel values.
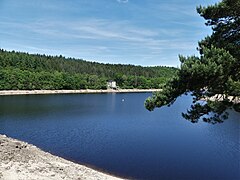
(25, 71)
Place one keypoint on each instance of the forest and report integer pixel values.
(24, 71)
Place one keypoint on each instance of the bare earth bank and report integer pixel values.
(21, 161)
(21, 92)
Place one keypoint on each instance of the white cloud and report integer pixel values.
(122, 1)
(112, 41)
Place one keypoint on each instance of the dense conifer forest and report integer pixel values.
(23, 71)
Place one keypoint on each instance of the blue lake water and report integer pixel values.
(116, 134)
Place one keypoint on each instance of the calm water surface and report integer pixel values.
(122, 137)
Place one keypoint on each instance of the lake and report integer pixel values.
(116, 134)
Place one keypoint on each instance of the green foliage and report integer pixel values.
(26, 71)
(215, 73)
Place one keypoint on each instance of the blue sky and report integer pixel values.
(140, 32)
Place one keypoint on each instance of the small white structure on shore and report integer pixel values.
(112, 85)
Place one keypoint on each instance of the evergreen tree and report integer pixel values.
(213, 75)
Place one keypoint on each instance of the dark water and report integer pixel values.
(122, 137)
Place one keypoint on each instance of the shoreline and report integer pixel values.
(219, 97)
(82, 91)
(20, 160)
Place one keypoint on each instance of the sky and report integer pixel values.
(139, 32)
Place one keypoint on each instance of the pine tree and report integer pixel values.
(213, 75)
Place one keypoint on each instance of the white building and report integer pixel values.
(112, 84)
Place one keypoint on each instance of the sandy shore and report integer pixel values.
(21, 161)
(22, 92)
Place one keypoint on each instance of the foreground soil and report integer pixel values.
(21, 161)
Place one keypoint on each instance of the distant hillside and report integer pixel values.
(34, 71)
